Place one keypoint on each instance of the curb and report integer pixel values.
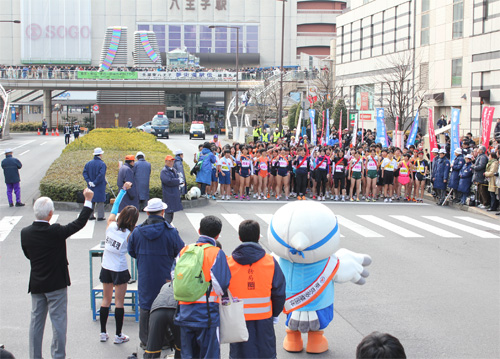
(76, 207)
(466, 208)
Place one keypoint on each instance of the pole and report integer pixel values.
(237, 70)
(280, 115)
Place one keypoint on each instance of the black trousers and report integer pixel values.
(321, 181)
(161, 324)
(169, 217)
(301, 183)
(67, 138)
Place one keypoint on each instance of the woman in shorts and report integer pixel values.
(388, 166)
(422, 170)
(273, 170)
(246, 169)
(339, 166)
(355, 173)
(283, 174)
(371, 175)
(114, 271)
(263, 175)
(405, 176)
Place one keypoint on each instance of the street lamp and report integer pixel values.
(12, 21)
(280, 115)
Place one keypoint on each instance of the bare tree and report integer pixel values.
(405, 91)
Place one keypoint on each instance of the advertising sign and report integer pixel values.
(455, 123)
(487, 120)
(432, 135)
(381, 130)
(413, 133)
(106, 75)
(56, 31)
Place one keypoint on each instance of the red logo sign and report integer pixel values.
(35, 32)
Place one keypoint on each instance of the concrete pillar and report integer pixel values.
(47, 107)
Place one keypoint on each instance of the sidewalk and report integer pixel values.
(466, 208)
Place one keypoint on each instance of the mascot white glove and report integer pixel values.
(351, 266)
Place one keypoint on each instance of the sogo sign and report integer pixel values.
(35, 32)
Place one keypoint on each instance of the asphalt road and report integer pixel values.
(434, 280)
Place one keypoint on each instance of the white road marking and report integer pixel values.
(426, 226)
(54, 218)
(43, 143)
(461, 227)
(266, 217)
(194, 219)
(358, 228)
(390, 226)
(85, 232)
(233, 219)
(24, 144)
(24, 152)
(7, 224)
(480, 222)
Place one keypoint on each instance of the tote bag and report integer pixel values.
(233, 328)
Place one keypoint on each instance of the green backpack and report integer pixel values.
(189, 280)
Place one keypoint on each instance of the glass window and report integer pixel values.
(456, 73)
(159, 28)
(252, 47)
(425, 21)
(458, 18)
(174, 36)
(143, 27)
(174, 28)
(424, 32)
(161, 45)
(160, 35)
(252, 29)
(190, 29)
(425, 5)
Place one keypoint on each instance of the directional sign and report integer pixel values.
(95, 108)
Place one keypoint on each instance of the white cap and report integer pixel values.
(155, 205)
(469, 156)
(140, 154)
(458, 150)
(435, 150)
(442, 150)
(98, 151)
(178, 152)
(8, 150)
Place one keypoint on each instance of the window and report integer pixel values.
(458, 18)
(190, 38)
(456, 72)
(174, 37)
(425, 5)
(425, 23)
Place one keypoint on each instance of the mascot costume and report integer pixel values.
(305, 236)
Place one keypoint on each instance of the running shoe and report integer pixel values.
(386, 199)
(362, 197)
(413, 199)
(265, 198)
(299, 198)
(235, 196)
(213, 197)
(248, 198)
(122, 338)
(268, 195)
(242, 198)
(254, 195)
(104, 337)
(390, 200)
(259, 198)
(352, 199)
(374, 199)
(357, 199)
(331, 197)
(343, 198)
(303, 198)
(367, 199)
(286, 198)
(313, 197)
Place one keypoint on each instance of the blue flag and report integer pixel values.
(381, 130)
(413, 132)
(455, 126)
(327, 140)
(312, 116)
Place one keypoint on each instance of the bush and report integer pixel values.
(64, 179)
(30, 126)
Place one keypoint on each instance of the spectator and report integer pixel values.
(44, 244)
(44, 127)
(489, 174)
(179, 167)
(11, 167)
(199, 320)
(479, 179)
(67, 133)
(380, 346)
(465, 179)
(250, 260)
(204, 175)
(458, 163)
(497, 130)
(129, 123)
(155, 244)
(94, 174)
(441, 122)
(440, 177)
(142, 169)
(76, 130)
(126, 174)
(170, 183)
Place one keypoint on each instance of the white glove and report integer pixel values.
(352, 267)
(91, 184)
(276, 320)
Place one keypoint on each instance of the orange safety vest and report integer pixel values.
(209, 256)
(253, 284)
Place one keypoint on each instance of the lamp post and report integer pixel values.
(280, 115)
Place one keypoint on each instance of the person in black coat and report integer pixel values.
(44, 244)
(11, 167)
(170, 183)
(126, 174)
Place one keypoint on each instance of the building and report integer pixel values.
(73, 32)
(451, 47)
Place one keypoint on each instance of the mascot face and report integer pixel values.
(304, 232)
(193, 193)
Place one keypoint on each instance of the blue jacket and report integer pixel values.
(180, 170)
(204, 175)
(196, 315)
(126, 174)
(95, 171)
(262, 340)
(142, 171)
(11, 168)
(465, 178)
(458, 163)
(170, 189)
(155, 244)
(442, 173)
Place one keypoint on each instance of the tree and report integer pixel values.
(405, 91)
(293, 116)
(339, 106)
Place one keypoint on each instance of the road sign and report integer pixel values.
(95, 108)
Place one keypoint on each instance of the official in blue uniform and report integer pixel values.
(170, 183)
(142, 171)
(458, 163)
(465, 179)
(440, 176)
(94, 174)
(126, 174)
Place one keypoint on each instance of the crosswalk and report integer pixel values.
(362, 225)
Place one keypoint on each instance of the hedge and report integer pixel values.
(64, 179)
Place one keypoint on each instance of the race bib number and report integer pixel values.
(339, 168)
(245, 163)
(225, 168)
(263, 166)
(357, 168)
(403, 170)
(372, 165)
(283, 163)
(421, 169)
(323, 165)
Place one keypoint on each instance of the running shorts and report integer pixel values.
(225, 179)
(339, 182)
(117, 278)
(356, 175)
(372, 174)
(388, 177)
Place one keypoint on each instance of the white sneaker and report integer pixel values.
(343, 198)
(254, 195)
(104, 337)
(331, 197)
(122, 338)
(390, 200)
(386, 200)
(323, 198)
(259, 198)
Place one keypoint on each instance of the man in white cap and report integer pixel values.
(434, 160)
(142, 169)
(456, 167)
(179, 167)
(155, 244)
(440, 176)
(94, 174)
(11, 167)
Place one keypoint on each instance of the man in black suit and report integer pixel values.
(45, 246)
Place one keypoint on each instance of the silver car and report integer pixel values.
(145, 127)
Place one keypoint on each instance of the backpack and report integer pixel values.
(196, 168)
(189, 279)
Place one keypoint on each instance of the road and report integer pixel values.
(434, 281)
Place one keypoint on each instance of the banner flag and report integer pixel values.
(455, 137)
(413, 132)
(354, 132)
(327, 126)
(396, 125)
(312, 115)
(381, 130)
(299, 124)
(487, 121)
(432, 134)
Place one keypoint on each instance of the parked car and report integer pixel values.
(197, 130)
(145, 127)
(160, 126)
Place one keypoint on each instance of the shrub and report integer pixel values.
(64, 179)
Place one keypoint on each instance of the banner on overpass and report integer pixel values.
(56, 31)
(107, 75)
(181, 75)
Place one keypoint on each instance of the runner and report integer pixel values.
(283, 176)
(339, 168)
(354, 174)
(372, 165)
(405, 176)
(396, 193)
(422, 170)
(224, 166)
(213, 187)
(263, 164)
(246, 169)
(301, 164)
(388, 166)
(273, 171)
